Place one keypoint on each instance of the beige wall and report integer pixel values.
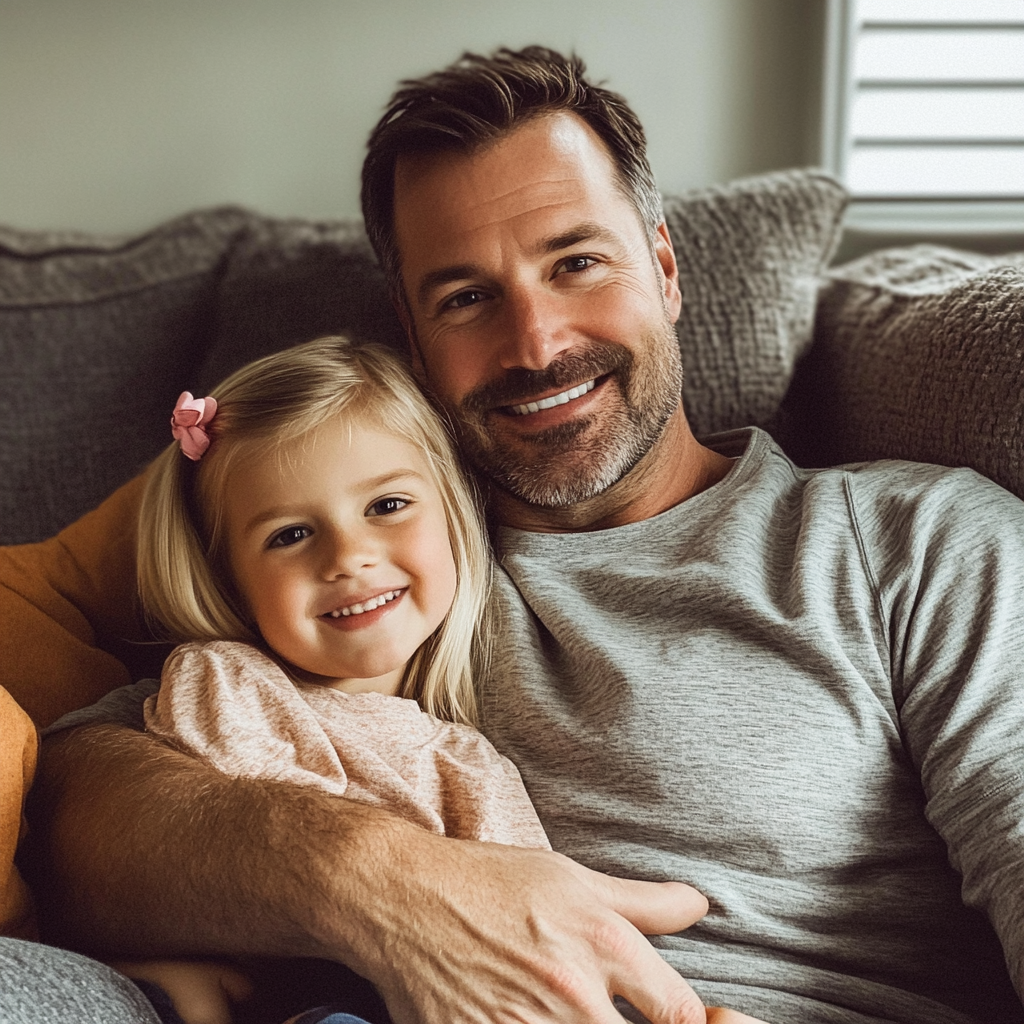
(115, 114)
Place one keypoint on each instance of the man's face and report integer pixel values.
(540, 317)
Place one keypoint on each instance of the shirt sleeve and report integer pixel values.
(122, 706)
(231, 706)
(949, 566)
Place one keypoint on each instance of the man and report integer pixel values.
(793, 690)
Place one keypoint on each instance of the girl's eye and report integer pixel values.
(386, 506)
(290, 535)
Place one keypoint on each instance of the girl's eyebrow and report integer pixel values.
(390, 477)
(370, 484)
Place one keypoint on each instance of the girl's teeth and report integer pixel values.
(365, 606)
(559, 399)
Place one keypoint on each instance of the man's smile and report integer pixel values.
(562, 398)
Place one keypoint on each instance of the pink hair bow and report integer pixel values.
(189, 421)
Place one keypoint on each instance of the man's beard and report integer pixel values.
(570, 463)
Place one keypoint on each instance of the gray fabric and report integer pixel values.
(44, 985)
(289, 281)
(769, 691)
(122, 706)
(919, 357)
(99, 335)
(750, 255)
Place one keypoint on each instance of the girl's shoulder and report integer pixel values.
(221, 657)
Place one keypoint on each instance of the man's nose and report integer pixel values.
(535, 329)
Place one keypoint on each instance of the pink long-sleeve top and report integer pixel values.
(231, 706)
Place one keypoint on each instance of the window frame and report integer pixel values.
(993, 219)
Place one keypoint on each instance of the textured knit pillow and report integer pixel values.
(289, 281)
(920, 355)
(98, 335)
(750, 256)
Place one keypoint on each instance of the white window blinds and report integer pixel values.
(928, 99)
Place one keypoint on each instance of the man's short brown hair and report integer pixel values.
(479, 99)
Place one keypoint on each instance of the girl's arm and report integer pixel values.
(202, 992)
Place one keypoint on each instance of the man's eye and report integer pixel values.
(386, 506)
(574, 264)
(464, 299)
(289, 536)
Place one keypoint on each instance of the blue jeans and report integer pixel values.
(325, 1015)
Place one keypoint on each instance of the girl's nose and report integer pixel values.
(346, 552)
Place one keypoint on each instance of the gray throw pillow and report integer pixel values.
(920, 355)
(99, 335)
(95, 333)
(289, 281)
(750, 255)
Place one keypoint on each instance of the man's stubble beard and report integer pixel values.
(571, 463)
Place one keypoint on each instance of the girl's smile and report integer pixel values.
(340, 549)
(368, 605)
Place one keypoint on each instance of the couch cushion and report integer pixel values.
(289, 281)
(919, 355)
(100, 335)
(750, 256)
(95, 334)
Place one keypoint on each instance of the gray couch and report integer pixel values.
(911, 353)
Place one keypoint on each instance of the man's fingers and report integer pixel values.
(535, 939)
(659, 993)
(641, 976)
(654, 908)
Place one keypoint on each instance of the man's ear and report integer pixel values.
(665, 255)
(415, 354)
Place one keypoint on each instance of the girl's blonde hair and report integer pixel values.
(184, 580)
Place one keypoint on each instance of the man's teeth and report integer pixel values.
(365, 606)
(550, 403)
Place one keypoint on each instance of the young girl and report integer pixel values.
(311, 541)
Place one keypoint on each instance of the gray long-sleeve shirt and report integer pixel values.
(801, 692)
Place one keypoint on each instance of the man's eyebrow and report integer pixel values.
(588, 231)
(442, 276)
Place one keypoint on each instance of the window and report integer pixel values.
(925, 110)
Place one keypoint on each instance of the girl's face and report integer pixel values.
(339, 546)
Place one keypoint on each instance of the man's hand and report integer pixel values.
(153, 854)
(474, 932)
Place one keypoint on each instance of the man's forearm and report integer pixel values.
(147, 852)
(143, 850)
